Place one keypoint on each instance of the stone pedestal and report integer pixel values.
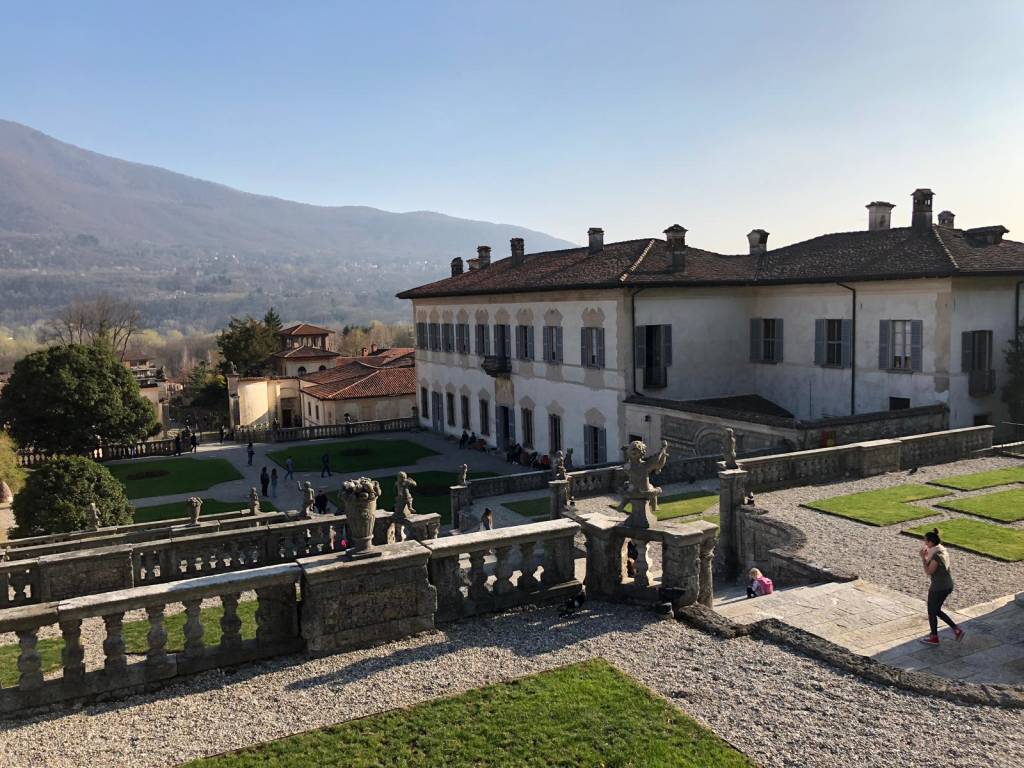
(84, 572)
(642, 511)
(732, 488)
(559, 492)
(460, 499)
(356, 603)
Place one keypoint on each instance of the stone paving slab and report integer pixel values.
(886, 625)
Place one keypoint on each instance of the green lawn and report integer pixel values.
(689, 504)
(354, 455)
(882, 507)
(538, 507)
(181, 509)
(999, 541)
(588, 714)
(1005, 506)
(165, 477)
(431, 494)
(135, 639)
(979, 480)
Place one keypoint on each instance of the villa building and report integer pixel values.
(844, 337)
(304, 348)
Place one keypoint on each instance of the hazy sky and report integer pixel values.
(720, 116)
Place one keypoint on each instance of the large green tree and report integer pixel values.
(57, 495)
(66, 399)
(247, 344)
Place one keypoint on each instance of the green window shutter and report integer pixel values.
(916, 345)
(820, 357)
(639, 346)
(847, 337)
(884, 333)
(755, 340)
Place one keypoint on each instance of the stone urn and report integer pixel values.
(359, 499)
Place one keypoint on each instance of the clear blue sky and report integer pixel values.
(558, 116)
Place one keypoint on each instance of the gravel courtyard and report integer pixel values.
(778, 707)
(883, 555)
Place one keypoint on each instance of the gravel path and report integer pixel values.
(778, 707)
(884, 555)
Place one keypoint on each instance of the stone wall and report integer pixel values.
(502, 484)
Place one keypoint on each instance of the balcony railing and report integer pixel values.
(497, 365)
(980, 383)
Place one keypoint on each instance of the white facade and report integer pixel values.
(578, 395)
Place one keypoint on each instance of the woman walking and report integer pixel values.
(935, 559)
(264, 480)
(273, 483)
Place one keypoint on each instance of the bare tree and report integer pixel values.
(103, 320)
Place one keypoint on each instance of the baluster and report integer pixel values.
(115, 662)
(193, 628)
(29, 662)
(156, 653)
(503, 571)
(19, 582)
(642, 578)
(73, 655)
(478, 577)
(527, 581)
(230, 624)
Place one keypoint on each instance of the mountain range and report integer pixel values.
(74, 223)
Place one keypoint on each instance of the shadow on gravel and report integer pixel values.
(544, 632)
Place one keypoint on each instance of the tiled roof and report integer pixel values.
(306, 353)
(304, 329)
(899, 253)
(366, 376)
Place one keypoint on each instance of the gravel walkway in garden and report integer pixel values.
(883, 555)
(778, 707)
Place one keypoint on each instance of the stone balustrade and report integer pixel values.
(595, 482)
(264, 434)
(461, 568)
(181, 552)
(32, 458)
(277, 632)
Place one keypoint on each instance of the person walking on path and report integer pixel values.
(264, 480)
(194, 440)
(289, 469)
(251, 452)
(177, 444)
(935, 559)
(320, 502)
(325, 465)
(273, 483)
(220, 433)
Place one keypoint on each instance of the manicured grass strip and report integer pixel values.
(165, 477)
(431, 495)
(135, 639)
(355, 455)
(882, 507)
(1005, 506)
(998, 541)
(588, 714)
(689, 504)
(979, 480)
(210, 507)
(539, 507)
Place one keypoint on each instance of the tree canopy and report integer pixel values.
(57, 495)
(247, 344)
(66, 399)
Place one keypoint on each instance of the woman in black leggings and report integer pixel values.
(935, 559)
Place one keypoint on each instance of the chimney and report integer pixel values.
(879, 215)
(758, 240)
(596, 237)
(483, 256)
(675, 240)
(456, 266)
(518, 251)
(986, 235)
(362, 352)
(473, 264)
(374, 349)
(921, 219)
(946, 219)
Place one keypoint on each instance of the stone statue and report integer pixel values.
(308, 499)
(638, 491)
(254, 501)
(559, 468)
(403, 496)
(197, 506)
(232, 369)
(568, 459)
(730, 449)
(359, 500)
(94, 515)
(463, 474)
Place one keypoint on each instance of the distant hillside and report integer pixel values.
(73, 223)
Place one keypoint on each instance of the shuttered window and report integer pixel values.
(450, 403)
(652, 351)
(435, 336)
(833, 343)
(483, 339)
(527, 427)
(766, 340)
(595, 445)
(448, 337)
(502, 340)
(900, 345)
(554, 433)
(552, 341)
(424, 403)
(462, 338)
(524, 342)
(485, 417)
(466, 424)
(976, 351)
(421, 335)
(592, 347)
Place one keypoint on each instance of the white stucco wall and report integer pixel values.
(581, 396)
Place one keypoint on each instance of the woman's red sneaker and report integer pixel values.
(930, 640)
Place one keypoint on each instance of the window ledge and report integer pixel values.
(903, 371)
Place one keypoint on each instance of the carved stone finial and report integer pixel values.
(730, 449)
(308, 499)
(94, 515)
(403, 496)
(463, 474)
(196, 505)
(254, 501)
(559, 468)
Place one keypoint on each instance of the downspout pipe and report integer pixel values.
(853, 347)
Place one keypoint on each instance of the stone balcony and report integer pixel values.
(497, 365)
